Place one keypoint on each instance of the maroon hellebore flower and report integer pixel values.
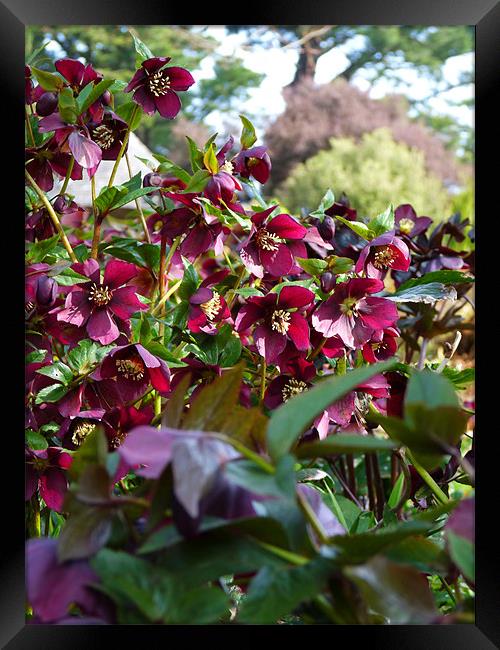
(381, 346)
(134, 369)
(407, 223)
(278, 322)
(99, 305)
(268, 247)
(383, 253)
(253, 162)
(46, 470)
(77, 427)
(46, 160)
(295, 379)
(155, 86)
(352, 314)
(208, 307)
(109, 134)
(52, 587)
(73, 139)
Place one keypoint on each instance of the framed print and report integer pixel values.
(249, 343)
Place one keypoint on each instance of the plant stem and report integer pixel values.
(96, 236)
(53, 216)
(372, 502)
(317, 349)
(35, 511)
(138, 205)
(28, 125)
(236, 286)
(423, 352)
(293, 558)
(122, 149)
(68, 176)
(311, 517)
(427, 478)
(263, 380)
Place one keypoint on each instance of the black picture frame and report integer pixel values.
(14, 15)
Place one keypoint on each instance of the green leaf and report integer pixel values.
(131, 250)
(189, 282)
(210, 160)
(229, 347)
(462, 553)
(39, 250)
(344, 443)
(199, 606)
(67, 106)
(291, 419)
(50, 394)
(85, 532)
(48, 80)
(339, 264)
(312, 266)
(397, 491)
(131, 196)
(430, 389)
(131, 114)
(198, 181)
(143, 51)
(275, 592)
(401, 594)
(58, 371)
(383, 222)
(459, 378)
(326, 203)
(358, 227)
(161, 351)
(443, 277)
(35, 440)
(428, 293)
(248, 136)
(93, 450)
(37, 356)
(87, 97)
(195, 155)
(419, 552)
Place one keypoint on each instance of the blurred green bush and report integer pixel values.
(373, 172)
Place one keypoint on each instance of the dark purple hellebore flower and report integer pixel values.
(253, 162)
(278, 323)
(272, 244)
(52, 587)
(109, 134)
(77, 427)
(208, 307)
(99, 305)
(381, 346)
(295, 378)
(383, 253)
(119, 421)
(46, 160)
(46, 470)
(134, 369)
(352, 314)
(407, 223)
(155, 86)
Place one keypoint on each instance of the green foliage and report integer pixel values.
(373, 173)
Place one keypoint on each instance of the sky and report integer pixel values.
(278, 65)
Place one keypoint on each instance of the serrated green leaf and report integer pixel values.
(58, 371)
(383, 222)
(50, 394)
(91, 93)
(47, 80)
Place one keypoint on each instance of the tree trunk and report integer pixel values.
(308, 57)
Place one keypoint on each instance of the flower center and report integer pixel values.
(117, 439)
(348, 307)
(266, 240)
(294, 387)
(406, 226)
(131, 368)
(159, 84)
(104, 136)
(100, 295)
(227, 167)
(212, 307)
(81, 431)
(384, 257)
(280, 321)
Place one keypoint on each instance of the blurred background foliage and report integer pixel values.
(321, 138)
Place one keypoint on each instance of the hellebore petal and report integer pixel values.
(285, 227)
(378, 313)
(168, 105)
(295, 296)
(147, 446)
(298, 331)
(85, 151)
(180, 78)
(53, 488)
(125, 302)
(278, 262)
(247, 316)
(249, 255)
(270, 344)
(101, 327)
(71, 69)
(118, 272)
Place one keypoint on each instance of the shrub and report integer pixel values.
(373, 173)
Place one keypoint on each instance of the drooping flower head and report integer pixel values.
(156, 86)
(407, 223)
(353, 314)
(46, 471)
(253, 162)
(102, 306)
(208, 307)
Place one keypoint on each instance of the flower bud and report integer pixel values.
(152, 180)
(60, 204)
(328, 281)
(47, 104)
(326, 229)
(46, 291)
